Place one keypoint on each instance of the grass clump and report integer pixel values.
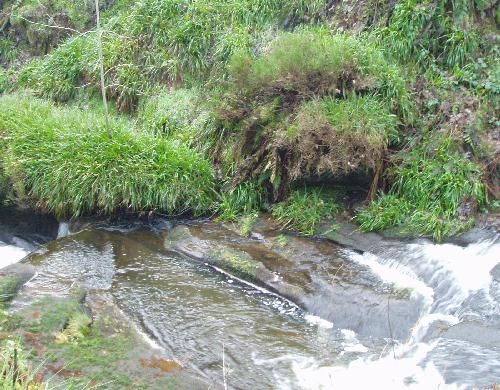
(244, 199)
(313, 62)
(77, 328)
(312, 104)
(16, 371)
(434, 192)
(304, 209)
(439, 31)
(57, 75)
(340, 136)
(178, 115)
(247, 222)
(63, 160)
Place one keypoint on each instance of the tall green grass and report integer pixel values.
(62, 159)
(155, 42)
(181, 114)
(304, 209)
(433, 31)
(245, 199)
(313, 62)
(435, 191)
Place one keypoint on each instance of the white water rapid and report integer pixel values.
(456, 342)
(10, 254)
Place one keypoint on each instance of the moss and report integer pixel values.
(239, 263)
(103, 351)
(9, 286)
(53, 315)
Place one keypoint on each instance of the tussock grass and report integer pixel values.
(439, 31)
(244, 199)
(62, 159)
(435, 192)
(180, 114)
(304, 209)
(15, 370)
(340, 136)
(313, 62)
(313, 103)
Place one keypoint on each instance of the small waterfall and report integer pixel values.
(457, 286)
(63, 230)
(10, 254)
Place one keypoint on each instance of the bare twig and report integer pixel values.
(101, 66)
(50, 25)
(224, 372)
(390, 327)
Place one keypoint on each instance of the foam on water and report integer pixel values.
(63, 230)
(395, 273)
(446, 276)
(320, 322)
(470, 266)
(10, 254)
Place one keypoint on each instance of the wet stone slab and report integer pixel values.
(317, 275)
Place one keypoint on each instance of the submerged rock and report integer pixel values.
(319, 276)
(66, 312)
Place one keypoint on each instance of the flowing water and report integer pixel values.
(203, 317)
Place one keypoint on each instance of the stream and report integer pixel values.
(413, 315)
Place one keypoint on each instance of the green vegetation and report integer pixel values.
(63, 159)
(354, 133)
(439, 31)
(179, 115)
(313, 62)
(226, 106)
(54, 343)
(435, 192)
(304, 209)
(247, 222)
(244, 199)
(16, 372)
(9, 285)
(313, 104)
(181, 38)
(234, 261)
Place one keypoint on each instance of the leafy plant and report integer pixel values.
(78, 327)
(246, 223)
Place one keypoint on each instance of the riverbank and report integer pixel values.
(62, 161)
(387, 116)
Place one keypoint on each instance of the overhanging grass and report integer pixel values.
(313, 62)
(63, 160)
(354, 132)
